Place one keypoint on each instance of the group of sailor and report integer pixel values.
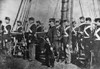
(8, 35)
(86, 33)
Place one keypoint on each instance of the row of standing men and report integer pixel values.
(89, 33)
(8, 36)
(85, 36)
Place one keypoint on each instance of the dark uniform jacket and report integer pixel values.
(54, 34)
(39, 28)
(33, 29)
(8, 27)
(82, 26)
(19, 29)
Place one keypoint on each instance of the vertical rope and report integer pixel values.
(94, 8)
(27, 13)
(56, 8)
(81, 8)
(24, 10)
(28, 10)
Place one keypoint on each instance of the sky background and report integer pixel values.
(44, 9)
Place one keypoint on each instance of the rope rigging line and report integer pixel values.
(90, 11)
(48, 11)
(35, 5)
(81, 8)
(71, 19)
(56, 8)
(70, 36)
(22, 10)
(26, 8)
(94, 8)
(17, 14)
(27, 13)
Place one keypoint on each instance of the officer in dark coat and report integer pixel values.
(50, 35)
(54, 35)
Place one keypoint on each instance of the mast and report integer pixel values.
(67, 14)
(64, 10)
(70, 21)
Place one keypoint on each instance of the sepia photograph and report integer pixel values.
(49, 34)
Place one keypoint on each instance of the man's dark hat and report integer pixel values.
(19, 22)
(97, 19)
(31, 18)
(7, 18)
(57, 21)
(82, 17)
(88, 19)
(52, 20)
(64, 20)
(38, 22)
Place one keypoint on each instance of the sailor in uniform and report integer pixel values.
(7, 36)
(19, 31)
(31, 26)
(19, 26)
(65, 39)
(80, 34)
(54, 37)
(74, 35)
(87, 32)
(66, 33)
(7, 26)
(83, 24)
(50, 34)
(39, 26)
(31, 38)
(97, 41)
(88, 41)
(1, 34)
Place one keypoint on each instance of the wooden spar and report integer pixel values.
(67, 14)
(71, 19)
(70, 36)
